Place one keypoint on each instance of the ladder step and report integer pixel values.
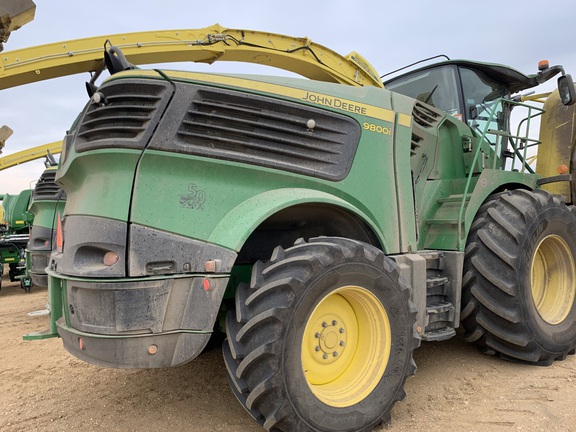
(455, 198)
(436, 281)
(439, 335)
(442, 221)
(431, 254)
(438, 308)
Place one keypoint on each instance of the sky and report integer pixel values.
(517, 33)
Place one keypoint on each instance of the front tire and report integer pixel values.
(520, 277)
(322, 339)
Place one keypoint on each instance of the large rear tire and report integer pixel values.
(520, 277)
(322, 339)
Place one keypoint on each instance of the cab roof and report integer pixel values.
(516, 81)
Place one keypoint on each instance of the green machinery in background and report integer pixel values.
(29, 229)
(14, 236)
(47, 201)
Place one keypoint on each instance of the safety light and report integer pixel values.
(206, 284)
(59, 235)
(543, 65)
(110, 258)
(212, 266)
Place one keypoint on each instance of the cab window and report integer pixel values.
(482, 97)
(436, 87)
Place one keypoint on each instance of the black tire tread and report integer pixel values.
(490, 315)
(253, 338)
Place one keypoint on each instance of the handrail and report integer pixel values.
(497, 149)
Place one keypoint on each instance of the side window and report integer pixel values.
(481, 98)
(436, 87)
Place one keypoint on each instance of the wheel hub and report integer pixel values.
(345, 346)
(552, 279)
(331, 339)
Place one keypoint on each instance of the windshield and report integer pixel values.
(436, 87)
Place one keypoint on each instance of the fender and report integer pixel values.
(235, 228)
(488, 183)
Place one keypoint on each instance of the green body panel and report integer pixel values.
(238, 198)
(380, 199)
(99, 183)
(406, 228)
(223, 202)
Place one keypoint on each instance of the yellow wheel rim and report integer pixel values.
(553, 277)
(346, 346)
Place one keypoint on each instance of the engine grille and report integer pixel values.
(46, 188)
(425, 115)
(124, 118)
(221, 124)
(263, 131)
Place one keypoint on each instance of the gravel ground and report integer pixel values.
(43, 388)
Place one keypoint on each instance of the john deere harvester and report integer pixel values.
(326, 225)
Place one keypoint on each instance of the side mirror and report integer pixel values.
(472, 112)
(566, 90)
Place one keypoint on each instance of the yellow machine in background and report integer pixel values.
(13, 15)
(556, 156)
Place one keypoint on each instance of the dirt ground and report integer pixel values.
(43, 388)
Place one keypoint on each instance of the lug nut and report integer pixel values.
(325, 356)
(341, 330)
(335, 354)
(317, 348)
(334, 322)
(324, 324)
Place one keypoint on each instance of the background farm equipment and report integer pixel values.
(14, 236)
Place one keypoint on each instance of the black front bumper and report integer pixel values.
(146, 323)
